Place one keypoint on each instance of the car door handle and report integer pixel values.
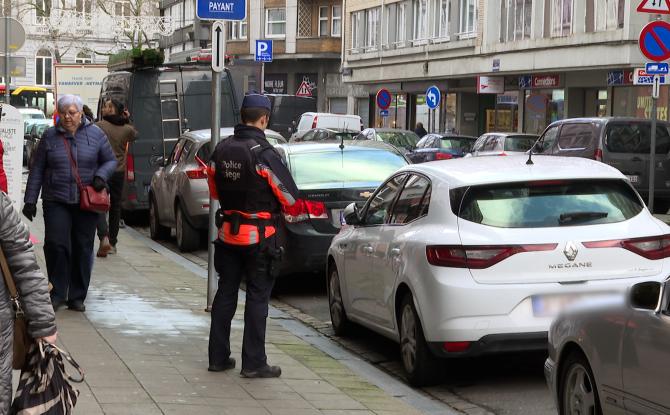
(395, 252)
(368, 249)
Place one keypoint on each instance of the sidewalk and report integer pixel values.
(143, 345)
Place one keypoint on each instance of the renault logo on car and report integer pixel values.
(570, 251)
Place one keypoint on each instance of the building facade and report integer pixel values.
(510, 65)
(77, 31)
(306, 37)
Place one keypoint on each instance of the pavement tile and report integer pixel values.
(311, 386)
(120, 395)
(332, 401)
(294, 411)
(129, 409)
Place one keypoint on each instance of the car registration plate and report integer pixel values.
(552, 305)
(337, 217)
(633, 179)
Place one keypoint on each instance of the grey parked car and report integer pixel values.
(503, 144)
(179, 195)
(623, 143)
(612, 356)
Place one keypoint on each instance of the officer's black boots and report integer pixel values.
(263, 372)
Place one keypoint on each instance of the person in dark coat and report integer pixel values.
(419, 130)
(33, 286)
(69, 232)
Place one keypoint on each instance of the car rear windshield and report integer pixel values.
(545, 204)
(635, 137)
(519, 143)
(343, 168)
(405, 140)
(455, 143)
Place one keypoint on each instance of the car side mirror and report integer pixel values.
(27, 136)
(351, 214)
(157, 160)
(646, 295)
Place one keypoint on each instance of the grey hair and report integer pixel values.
(68, 100)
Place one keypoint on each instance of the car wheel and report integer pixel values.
(419, 363)
(578, 392)
(188, 238)
(338, 316)
(156, 230)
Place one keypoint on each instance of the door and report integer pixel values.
(545, 144)
(425, 149)
(166, 183)
(388, 259)
(645, 362)
(577, 140)
(361, 288)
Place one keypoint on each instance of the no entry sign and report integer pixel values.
(655, 41)
(383, 99)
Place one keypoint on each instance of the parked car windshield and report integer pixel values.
(547, 204)
(456, 143)
(399, 139)
(521, 143)
(343, 168)
(635, 137)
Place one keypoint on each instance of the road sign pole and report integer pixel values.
(652, 152)
(8, 72)
(213, 232)
(262, 91)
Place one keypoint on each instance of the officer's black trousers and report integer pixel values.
(232, 263)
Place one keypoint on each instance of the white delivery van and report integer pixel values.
(337, 122)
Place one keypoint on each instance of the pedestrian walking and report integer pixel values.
(33, 288)
(419, 130)
(116, 124)
(3, 175)
(251, 183)
(69, 232)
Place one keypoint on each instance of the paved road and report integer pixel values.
(510, 384)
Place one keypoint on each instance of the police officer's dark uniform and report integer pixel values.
(252, 184)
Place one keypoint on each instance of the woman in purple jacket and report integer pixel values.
(69, 231)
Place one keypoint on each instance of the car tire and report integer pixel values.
(188, 238)
(421, 366)
(578, 393)
(156, 230)
(338, 316)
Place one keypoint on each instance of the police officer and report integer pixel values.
(251, 182)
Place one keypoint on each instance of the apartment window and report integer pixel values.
(400, 19)
(176, 13)
(238, 30)
(189, 12)
(84, 6)
(43, 63)
(83, 57)
(608, 14)
(356, 29)
(122, 8)
(561, 17)
(42, 11)
(516, 20)
(371, 28)
(323, 21)
(468, 16)
(420, 19)
(336, 22)
(443, 25)
(275, 23)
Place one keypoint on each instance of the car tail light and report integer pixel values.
(477, 257)
(655, 247)
(443, 156)
(455, 347)
(130, 167)
(502, 154)
(303, 210)
(598, 155)
(314, 121)
(199, 173)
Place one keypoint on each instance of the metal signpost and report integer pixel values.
(433, 96)
(217, 10)
(263, 54)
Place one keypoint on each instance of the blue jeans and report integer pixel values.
(69, 235)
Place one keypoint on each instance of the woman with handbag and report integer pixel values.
(71, 166)
(18, 257)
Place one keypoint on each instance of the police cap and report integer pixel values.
(256, 101)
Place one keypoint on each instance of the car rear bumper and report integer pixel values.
(305, 249)
(496, 343)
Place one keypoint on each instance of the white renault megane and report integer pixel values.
(474, 256)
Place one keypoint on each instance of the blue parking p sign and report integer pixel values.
(263, 51)
(221, 9)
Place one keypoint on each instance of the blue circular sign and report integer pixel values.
(383, 99)
(655, 41)
(433, 96)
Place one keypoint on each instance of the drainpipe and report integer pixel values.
(342, 35)
(381, 33)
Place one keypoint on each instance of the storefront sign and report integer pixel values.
(275, 83)
(615, 78)
(496, 64)
(539, 81)
(641, 77)
(11, 134)
(508, 99)
(490, 84)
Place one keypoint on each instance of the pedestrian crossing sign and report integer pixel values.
(304, 90)
(654, 6)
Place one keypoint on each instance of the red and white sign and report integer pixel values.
(490, 84)
(654, 6)
(546, 81)
(304, 90)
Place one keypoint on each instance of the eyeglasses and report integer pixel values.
(71, 114)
